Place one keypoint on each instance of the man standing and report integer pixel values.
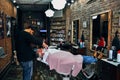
(25, 53)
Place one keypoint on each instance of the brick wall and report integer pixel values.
(82, 10)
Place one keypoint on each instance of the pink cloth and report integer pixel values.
(63, 62)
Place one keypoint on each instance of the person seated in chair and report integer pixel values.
(101, 44)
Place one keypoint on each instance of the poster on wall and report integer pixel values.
(1, 25)
(8, 26)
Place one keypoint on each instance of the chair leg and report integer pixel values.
(95, 54)
(100, 56)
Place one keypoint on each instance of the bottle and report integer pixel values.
(114, 53)
(81, 44)
(111, 54)
(118, 56)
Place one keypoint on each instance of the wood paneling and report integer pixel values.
(8, 46)
(4, 62)
(2, 43)
(8, 9)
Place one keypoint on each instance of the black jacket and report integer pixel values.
(24, 50)
(116, 43)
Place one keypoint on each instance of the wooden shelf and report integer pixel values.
(57, 31)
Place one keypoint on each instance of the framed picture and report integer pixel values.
(8, 26)
(1, 25)
(84, 24)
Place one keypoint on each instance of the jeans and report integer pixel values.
(89, 59)
(27, 70)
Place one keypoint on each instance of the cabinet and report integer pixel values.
(108, 70)
(57, 31)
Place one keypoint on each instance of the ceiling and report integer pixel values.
(33, 1)
(34, 5)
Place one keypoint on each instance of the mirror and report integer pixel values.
(100, 27)
(75, 31)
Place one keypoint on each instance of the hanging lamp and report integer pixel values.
(49, 12)
(58, 4)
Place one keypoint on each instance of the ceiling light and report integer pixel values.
(68, 4)
(94, 17)
(72, 1)
(58, 4)
(17, 6)
(49, 12)
(14, 1)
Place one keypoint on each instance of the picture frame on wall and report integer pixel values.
(84, 24)
(8, 26)
(1, 25)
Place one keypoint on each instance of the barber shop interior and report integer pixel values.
(59, 39)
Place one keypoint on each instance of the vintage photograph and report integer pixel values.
(8, 26)
(1, 25)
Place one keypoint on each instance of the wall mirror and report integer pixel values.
(100, 25)
(75, 31)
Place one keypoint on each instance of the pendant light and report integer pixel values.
(58, 4)
(49, 12)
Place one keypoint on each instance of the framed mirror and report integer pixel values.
(1, 25)
(100, 26)
(75, 31)
(8, 26)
